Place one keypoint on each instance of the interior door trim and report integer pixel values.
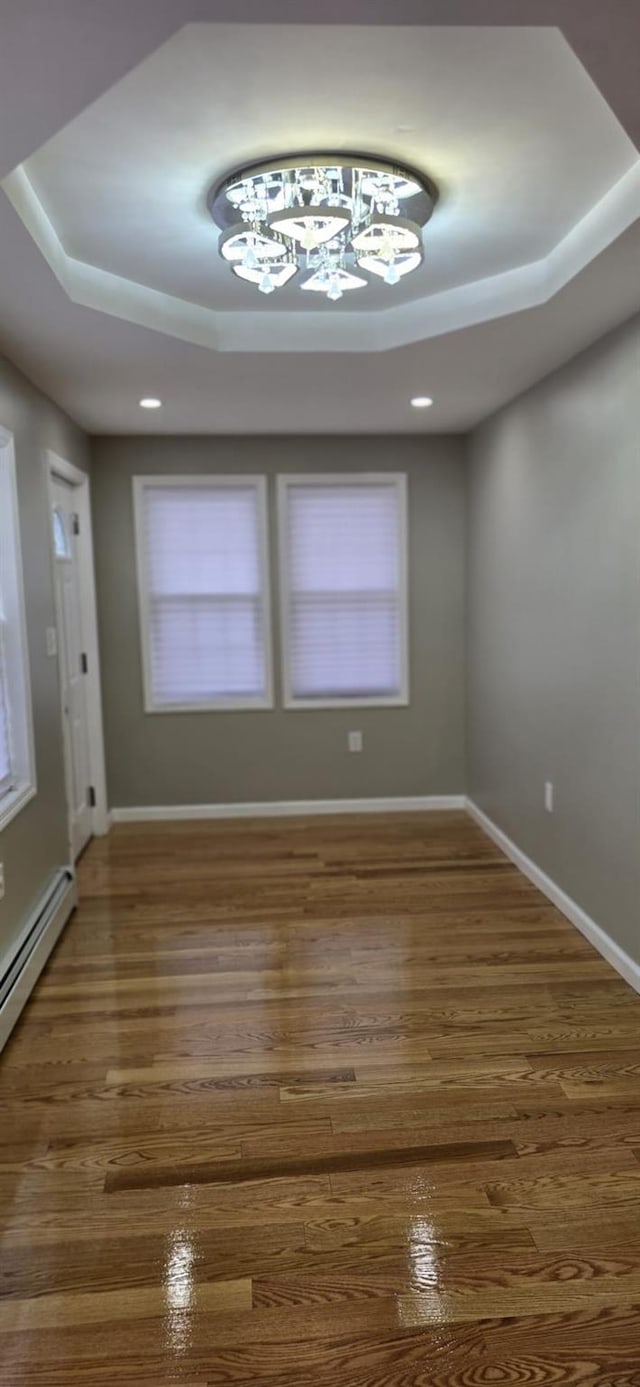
(58, 467)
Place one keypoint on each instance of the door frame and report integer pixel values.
(57, 466)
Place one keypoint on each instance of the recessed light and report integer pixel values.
(421, 401)
(150, 403)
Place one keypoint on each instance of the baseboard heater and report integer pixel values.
(20, 969)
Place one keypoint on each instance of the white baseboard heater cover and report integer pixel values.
(20, 969)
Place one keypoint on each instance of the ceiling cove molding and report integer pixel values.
(527, 286)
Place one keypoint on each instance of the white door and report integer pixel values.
(72, 664)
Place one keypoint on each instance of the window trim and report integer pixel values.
(219, 482)
(285, 480)
(19, 680)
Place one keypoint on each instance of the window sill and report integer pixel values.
(13, 802)
(299, 704)
(238, 706)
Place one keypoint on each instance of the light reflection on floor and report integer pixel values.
(180, 1291)
(424, 1252)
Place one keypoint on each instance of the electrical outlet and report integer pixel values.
(1, 880)
(355, 741)
(52, 641)
(548, 796)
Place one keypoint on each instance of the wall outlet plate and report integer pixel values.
(355, 741)
(548, 796)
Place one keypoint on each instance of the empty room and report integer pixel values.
(319, 693)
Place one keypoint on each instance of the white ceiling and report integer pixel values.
(529, 157)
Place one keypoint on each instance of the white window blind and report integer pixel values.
(204, 596)
(343, 556)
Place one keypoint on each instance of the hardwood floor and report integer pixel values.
(320, 1103)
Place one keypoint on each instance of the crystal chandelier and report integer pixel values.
(331, 222)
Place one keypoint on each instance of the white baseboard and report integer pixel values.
(605, 945)
(276, 809)
(35, 943)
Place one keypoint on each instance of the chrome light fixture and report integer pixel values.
(331, 222)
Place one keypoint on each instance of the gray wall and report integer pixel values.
(220, 757)
(554, 628)
(36, 841)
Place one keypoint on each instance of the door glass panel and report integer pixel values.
(60, 537)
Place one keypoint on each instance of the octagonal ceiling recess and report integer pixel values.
(535, 175)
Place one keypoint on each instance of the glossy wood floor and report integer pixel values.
(323, 1103)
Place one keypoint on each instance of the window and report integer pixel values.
(16, 729)
(343, 584)
(204, 598)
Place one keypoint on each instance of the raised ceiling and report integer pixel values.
(110, 282)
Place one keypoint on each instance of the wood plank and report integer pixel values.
(316, 1162)
(513, 1302)
(99, 1307)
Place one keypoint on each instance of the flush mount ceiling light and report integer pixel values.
(150, 402)
(421, 401)
(337, 222)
